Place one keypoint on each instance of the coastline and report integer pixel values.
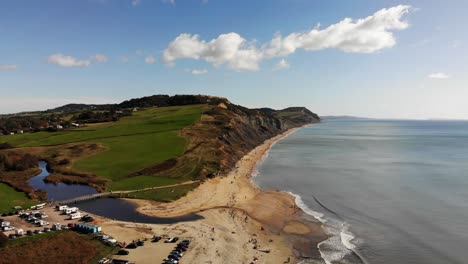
(234, 205)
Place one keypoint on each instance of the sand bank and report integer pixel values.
(240, 219)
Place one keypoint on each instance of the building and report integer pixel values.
(87, 228)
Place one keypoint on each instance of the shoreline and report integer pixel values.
(292, 233)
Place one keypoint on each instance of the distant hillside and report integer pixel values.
(144, 142)
(80, 107)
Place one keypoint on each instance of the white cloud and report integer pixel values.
(198, 72)
(172, 2)
(100, 57)
(150, 60)
(136, 2)
(366, 35)
(67, 61)
(438, 75)
(7, 67)
(283, 64)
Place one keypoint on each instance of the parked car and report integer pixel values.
(8, 228)
(171, 240)
(156, 239)
(131, 245)
(123, 252)
(29, 233)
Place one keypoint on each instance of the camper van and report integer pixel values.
(70, 210)
(61, 207)
(38, 207)
(75, 215)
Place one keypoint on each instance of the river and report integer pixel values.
(111, 208)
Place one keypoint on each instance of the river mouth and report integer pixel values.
(112, 208)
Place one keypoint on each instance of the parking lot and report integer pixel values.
(156, 251)
(53, 217)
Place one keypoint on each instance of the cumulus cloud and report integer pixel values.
(438, 75)
(150, 59)
(100, 57)
(283, 64)
(198, 72)
(7, 67)
(172, 2)
(366, 35)
(67, 61)
(136, 2)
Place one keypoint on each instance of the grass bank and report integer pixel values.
(9, 198)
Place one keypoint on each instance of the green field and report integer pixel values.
(164, 195)
(144, 139)
(9, 198)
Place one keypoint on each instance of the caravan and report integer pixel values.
(70, 210)
(61, 207)
(75, 215)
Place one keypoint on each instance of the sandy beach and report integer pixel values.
(240, 222)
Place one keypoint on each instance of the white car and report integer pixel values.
(8, 228)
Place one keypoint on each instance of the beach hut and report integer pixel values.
(87, 228)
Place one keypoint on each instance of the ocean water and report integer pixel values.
(385, 191)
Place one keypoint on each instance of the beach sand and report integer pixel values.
(239, 221)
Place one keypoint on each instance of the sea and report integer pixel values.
(385, 191)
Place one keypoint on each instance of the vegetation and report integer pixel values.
(164, 141)
(9, 198)
(141, 182)
(136, 142)
(164, 194)
(54, 247)
(14, 162)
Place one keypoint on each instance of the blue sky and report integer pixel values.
(407, 60)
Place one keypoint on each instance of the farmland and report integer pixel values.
(133, 143)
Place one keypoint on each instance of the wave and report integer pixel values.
(339, 244)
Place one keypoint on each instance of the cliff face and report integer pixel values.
(227, 132)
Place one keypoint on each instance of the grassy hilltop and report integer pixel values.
(168, 140)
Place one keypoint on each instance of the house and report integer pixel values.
(75, 124)
(59, 127)
(11, 133)
(19, 132)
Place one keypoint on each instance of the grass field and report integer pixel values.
(144, 139)
(9, 198)
(164, 195)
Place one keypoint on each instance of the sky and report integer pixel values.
(381, 59)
